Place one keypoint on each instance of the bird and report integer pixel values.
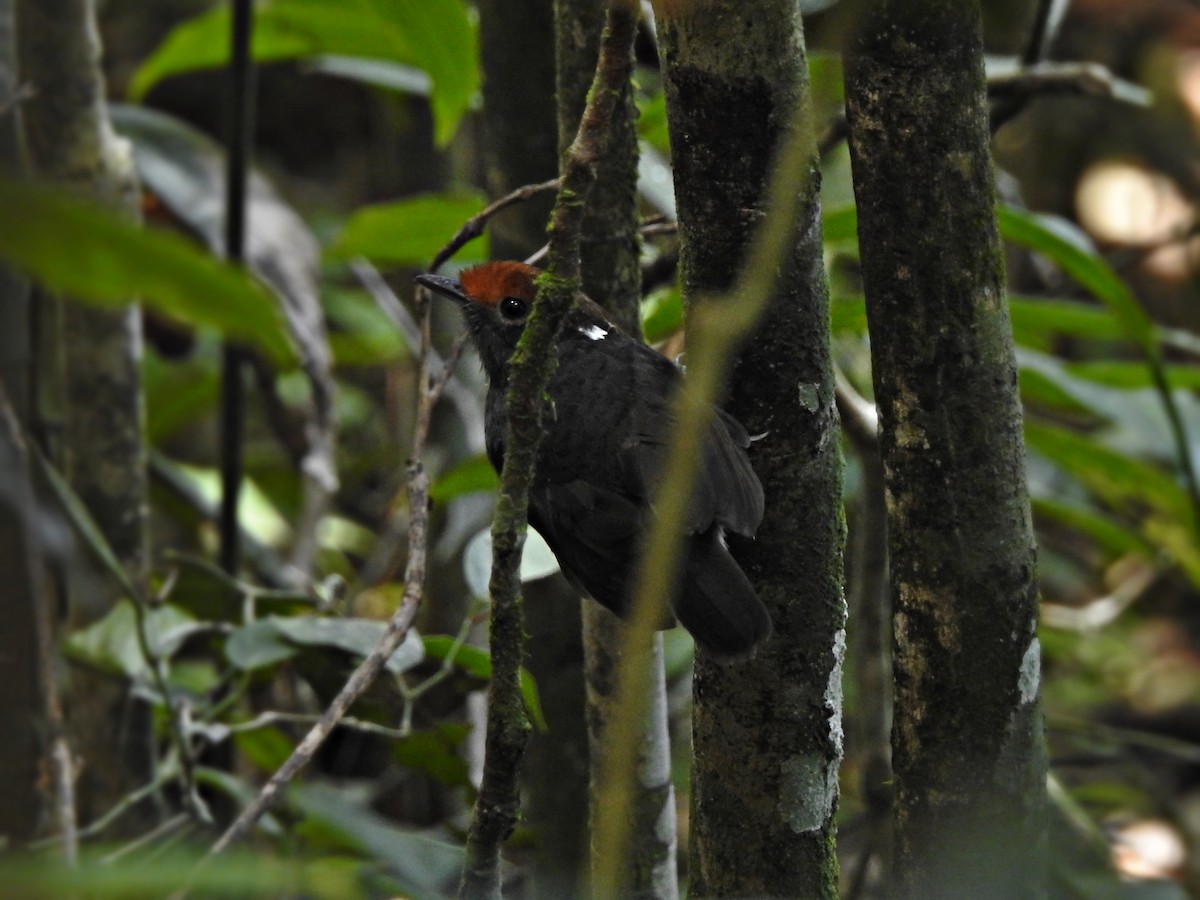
(608, 422)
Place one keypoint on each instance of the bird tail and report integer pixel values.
(716, 602)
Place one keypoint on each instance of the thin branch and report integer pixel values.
(474, 226)
(530, 369)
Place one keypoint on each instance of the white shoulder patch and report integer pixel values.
(595, 332)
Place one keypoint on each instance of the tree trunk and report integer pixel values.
(767, 732)
(612, 277)
(969, 760)
(71, 142)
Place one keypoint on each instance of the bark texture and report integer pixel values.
(967, 740)
(767, 732)
(71, 143)
(521, 147)
(612, 277)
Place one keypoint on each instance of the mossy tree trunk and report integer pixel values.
(767, 732)
(71, 142)
(612, 277)
(967, 745)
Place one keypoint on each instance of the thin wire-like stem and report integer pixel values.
(237, 162)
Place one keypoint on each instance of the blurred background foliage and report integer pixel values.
(368, 153)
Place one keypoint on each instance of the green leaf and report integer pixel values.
(471, 476)
(662, 314)
(1129, 375)
(848, 314)
(1035, 319)
(1044, 234)
(92, 254)
(179, 392)
(421, 861)
(436, 752)
(652, 122)
(267, 748)
(478, 662)
(258, 645)
(1116, 539)
(840, 225)
(361, 334)
(112, 645)
(445, 43)
(1112, 476)
(271, 639)
(203, 43)
(409, 232)
(437, 37)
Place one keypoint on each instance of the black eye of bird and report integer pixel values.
(513, 308)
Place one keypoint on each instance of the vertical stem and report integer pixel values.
(239, 140)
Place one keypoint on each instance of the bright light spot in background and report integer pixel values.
(1121, 202)
(1149, 849)
(1188, 81)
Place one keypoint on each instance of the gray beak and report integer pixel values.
(447, 287)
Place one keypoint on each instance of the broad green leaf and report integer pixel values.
(203, 43)
(1043, 234)
(273, 638)
(179, 392)
(1133, 375)
(256, 511)
(1037, 320)
(1114, 477)
(420, 860)
(445, 43)
(1112, 535)
(848, 314)
(409, 232)
(662, 314)
(239, 874)
(478, 662)
(361, 334)
(840, 225)
(94, 255)
(437, 37)
(652, 122)
(267, 748)
(112, 644)
(258, 645)
(436, 752)
(471, 476)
